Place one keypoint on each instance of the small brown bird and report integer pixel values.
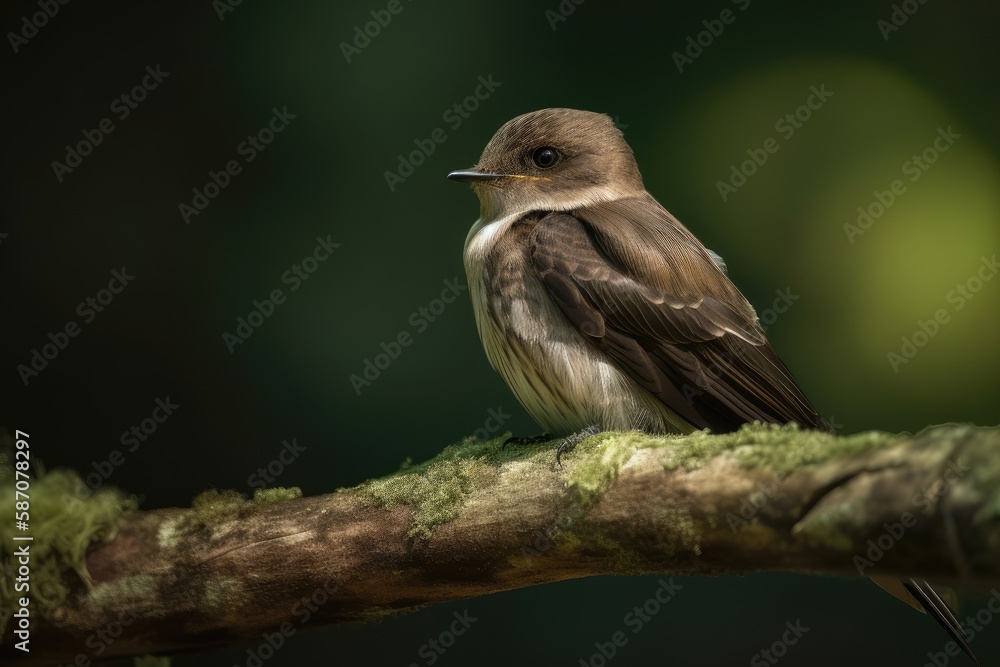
(603, 312)
(596, 305)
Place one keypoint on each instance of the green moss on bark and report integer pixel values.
(66, 517)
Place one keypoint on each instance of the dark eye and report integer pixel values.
(545, 157)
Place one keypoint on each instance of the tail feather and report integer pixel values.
(895, 587)
(940, 612)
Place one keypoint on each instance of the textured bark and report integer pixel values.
(188, 579)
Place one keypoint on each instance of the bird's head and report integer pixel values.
(555, 159)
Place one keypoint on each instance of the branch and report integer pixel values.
(477, 520)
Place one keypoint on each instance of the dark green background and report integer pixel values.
(325, 175)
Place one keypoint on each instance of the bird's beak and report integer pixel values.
(471, 176)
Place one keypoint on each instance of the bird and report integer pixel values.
(601, 311)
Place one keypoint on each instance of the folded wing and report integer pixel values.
(656, 302)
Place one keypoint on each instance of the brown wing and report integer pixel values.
(652, 298)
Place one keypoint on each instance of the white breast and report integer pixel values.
(564, 382)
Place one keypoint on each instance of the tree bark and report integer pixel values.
(478, 520)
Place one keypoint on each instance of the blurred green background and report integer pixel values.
(783, 231)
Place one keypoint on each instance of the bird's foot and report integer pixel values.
(518, 441)
(572, 441)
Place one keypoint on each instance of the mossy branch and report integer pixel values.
(477, 520)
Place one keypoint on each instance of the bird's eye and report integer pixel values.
(545, 157)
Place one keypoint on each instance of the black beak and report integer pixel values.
(471, 176)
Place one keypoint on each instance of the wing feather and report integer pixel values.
(654, 299)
